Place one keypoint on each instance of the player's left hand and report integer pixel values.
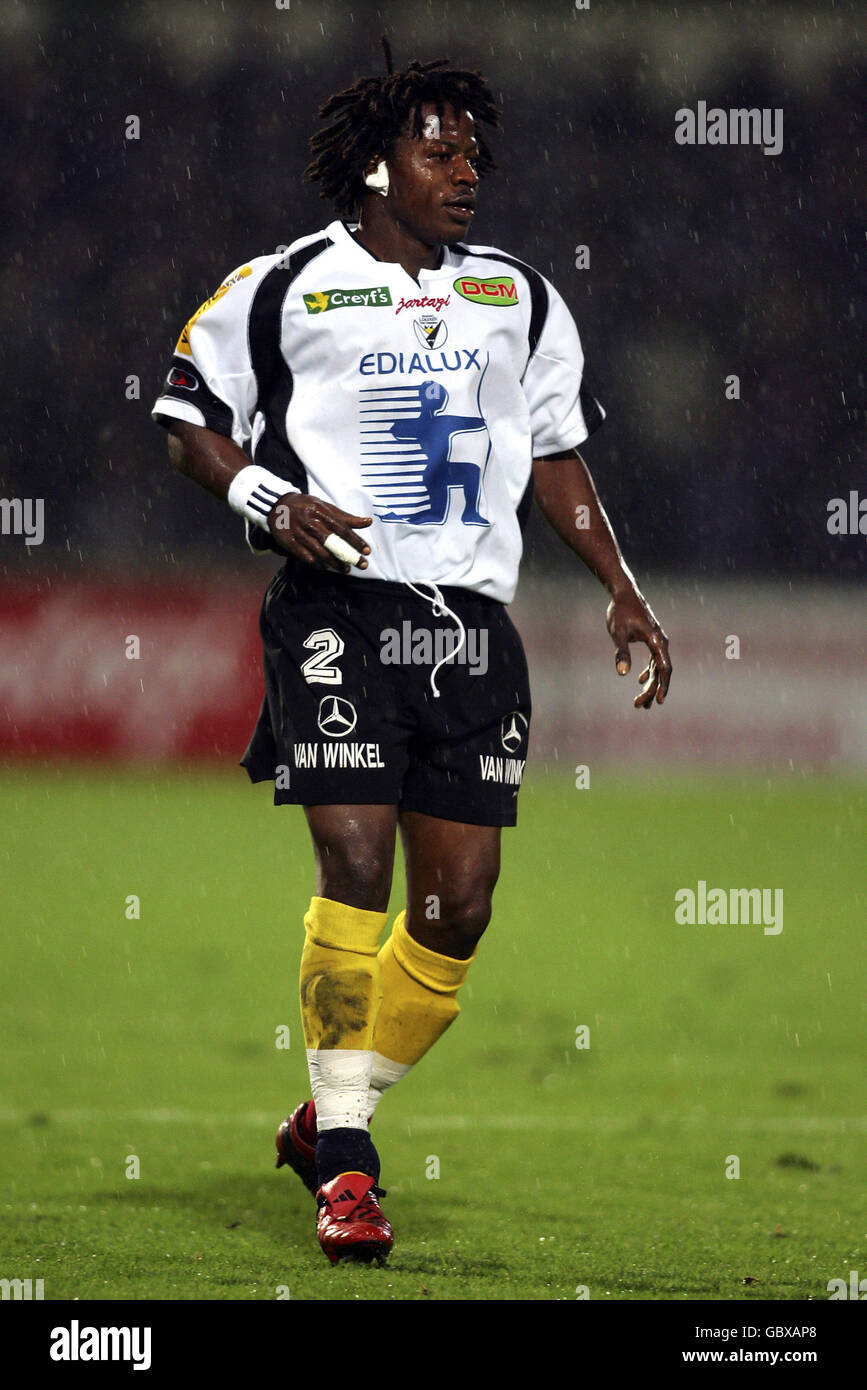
(631, 619)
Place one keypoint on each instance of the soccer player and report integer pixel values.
(380, 403)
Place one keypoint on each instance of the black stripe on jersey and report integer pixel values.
(538, 292)
(274, 380)
(217, 415)
(590, 409)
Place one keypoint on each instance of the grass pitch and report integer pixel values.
(560, 1167)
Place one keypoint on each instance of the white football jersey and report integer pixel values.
(421, 403)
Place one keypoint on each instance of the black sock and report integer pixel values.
(345, 1151)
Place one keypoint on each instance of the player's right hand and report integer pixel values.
(300, 524)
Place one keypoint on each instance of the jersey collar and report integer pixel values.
(342, 232)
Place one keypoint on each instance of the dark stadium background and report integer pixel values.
(703, 262)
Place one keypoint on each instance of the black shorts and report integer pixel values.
(350, 716)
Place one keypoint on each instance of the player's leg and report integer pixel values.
(342, 756)
(451, 871)
(340, 976)
(461, 788)
(340, 998)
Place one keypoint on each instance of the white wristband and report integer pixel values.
(253, 492)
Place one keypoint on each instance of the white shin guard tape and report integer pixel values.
(340, 1079)
(384, 1073)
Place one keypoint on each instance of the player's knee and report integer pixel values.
(358, 877)
(464, 919)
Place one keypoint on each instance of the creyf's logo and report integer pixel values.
(377, 297)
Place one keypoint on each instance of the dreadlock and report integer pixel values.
(370, 115)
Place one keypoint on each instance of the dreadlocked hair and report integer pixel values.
(370, 115)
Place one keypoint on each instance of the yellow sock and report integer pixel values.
(418, 1005)
(341, 993)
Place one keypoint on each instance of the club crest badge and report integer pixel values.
(430, 331)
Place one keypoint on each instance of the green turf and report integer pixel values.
(559, 1167)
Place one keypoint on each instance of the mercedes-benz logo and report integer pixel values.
(336, 717)
(512, 731)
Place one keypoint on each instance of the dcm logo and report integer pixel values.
(493, 291)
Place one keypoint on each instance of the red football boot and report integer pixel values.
(296, 1151)
(350, 1224)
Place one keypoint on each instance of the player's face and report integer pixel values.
(433, 180)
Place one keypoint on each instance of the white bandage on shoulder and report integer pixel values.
(254, 491)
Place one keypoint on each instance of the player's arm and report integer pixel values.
(568, 500)
(298, 521)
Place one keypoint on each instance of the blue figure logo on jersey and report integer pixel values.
(430, 469)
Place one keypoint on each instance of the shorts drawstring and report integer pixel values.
(439, 608)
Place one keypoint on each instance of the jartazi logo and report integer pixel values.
(76, 1343)
(425, 302)
(321, 300)
(496, 290)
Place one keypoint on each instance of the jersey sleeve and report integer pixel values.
(563, 413)
(211, 381)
